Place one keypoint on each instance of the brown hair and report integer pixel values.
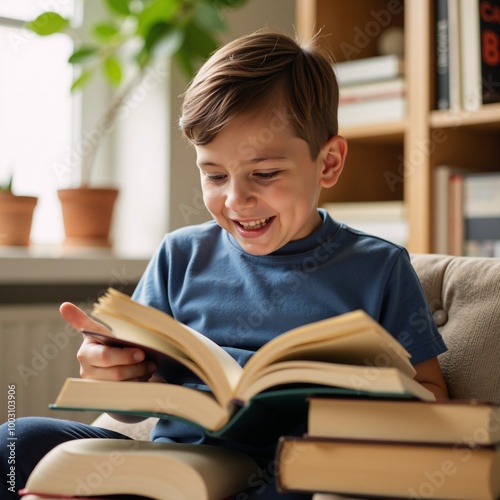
(263, 71)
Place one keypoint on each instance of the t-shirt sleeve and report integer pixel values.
(152, 289)
(406, 314)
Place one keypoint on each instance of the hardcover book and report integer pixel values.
(350, 353)
(100, 467)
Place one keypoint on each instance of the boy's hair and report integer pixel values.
(264, 71)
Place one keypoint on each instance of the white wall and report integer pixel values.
(155, 166)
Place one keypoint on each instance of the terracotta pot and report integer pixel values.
(87, 215)
(16, 215)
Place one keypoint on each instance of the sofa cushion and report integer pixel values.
(464, 296)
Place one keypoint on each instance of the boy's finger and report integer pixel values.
(103, 356)
(78, 319)
(137, 372)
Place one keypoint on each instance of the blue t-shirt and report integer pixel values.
(203, 278)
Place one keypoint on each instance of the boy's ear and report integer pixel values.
(333, 155)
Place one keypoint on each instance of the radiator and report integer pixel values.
(37, 353)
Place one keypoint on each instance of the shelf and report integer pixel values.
(485, 118)
(397, 161)
(389, 133)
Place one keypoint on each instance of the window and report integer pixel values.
(37, 112)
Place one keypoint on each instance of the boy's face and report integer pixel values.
(260, 183)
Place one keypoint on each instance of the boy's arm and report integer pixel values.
(430, 376)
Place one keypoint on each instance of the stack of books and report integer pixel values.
(467, 58)
(372, 90)
(467, 212)
(406, 449)
(347, 354)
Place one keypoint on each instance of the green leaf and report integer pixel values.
(198, 42)
(82, 80)
(82, 54)
(163, 39)
(198, 45)
(113, 71)
(155, 12)
(105, 31)
(121, 7)
(208, 17)
(48, 23)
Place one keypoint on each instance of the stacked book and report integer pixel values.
(372, 90)
(394, 448)
(350, 354)
(467, 212)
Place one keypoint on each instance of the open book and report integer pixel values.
(100, 467)
(350, 353)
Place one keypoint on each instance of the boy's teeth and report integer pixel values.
(255, 224)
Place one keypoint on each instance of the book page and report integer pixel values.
(223, 370)
(338, 336)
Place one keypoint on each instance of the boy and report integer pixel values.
(262, 115)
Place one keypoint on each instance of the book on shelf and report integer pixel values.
(101, 467)
(370, 69)
(372, 90)
(340, 355)
(442, 56)
(481, 213)
(468, 60)
(386, 219)
(475, 214)
(444, 228)
(456, 223)
(449, 421)
(447, 55)
(388, 469)
(372, 111)
(489, 26)
(470, 48)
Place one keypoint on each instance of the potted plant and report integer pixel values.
(16, 215)
(133, 34)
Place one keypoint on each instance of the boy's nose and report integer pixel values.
(239, 196)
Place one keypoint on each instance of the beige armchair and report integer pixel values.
(464, 296)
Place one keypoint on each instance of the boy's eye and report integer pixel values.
(267, 175)
(215, 177)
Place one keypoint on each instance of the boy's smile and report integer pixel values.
(260, 183)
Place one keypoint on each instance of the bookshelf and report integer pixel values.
(405, 152)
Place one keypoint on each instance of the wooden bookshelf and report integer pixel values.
(397, 160)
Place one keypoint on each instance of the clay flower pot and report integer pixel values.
(16, 215)
(87, 215)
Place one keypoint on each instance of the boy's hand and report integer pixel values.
(101, 362)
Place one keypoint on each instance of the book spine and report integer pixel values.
(442, 56)
(470, 55)
(456, 225)
(454, 80)
(490, 50)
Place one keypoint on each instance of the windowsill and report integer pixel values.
(65, 265)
